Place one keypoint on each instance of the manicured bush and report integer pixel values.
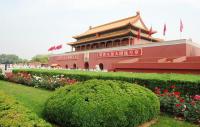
(13, 114)
(186, 84)
(99, 103)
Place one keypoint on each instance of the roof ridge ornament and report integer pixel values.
(90, 27)
(138, 12)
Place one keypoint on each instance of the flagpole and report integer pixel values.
(164, 31)
(150, 33)
(181, 28)
(180, 35)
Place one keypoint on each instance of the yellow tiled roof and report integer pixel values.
(114, 34)
(101, 37)
(115, 24)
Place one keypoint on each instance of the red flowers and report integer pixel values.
(178, 105)
(49, 82)
(173, 87)
(177, 94)
(157, 90)
(71, 81)
(192, 103)
(165, 91)
(197, 97)
(182, 100)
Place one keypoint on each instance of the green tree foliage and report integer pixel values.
(40, 58)
(10, 59)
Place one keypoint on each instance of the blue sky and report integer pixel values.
(30, 27)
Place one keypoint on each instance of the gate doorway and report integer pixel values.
(101, 66)
(74, 66)
(86, 66)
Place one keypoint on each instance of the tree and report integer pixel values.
(40, 58)
(10, 59)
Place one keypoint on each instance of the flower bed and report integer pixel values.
(13, 114)
(186, 84)
(183, 107)
(41, 81)
(98, 103)
(179, 99)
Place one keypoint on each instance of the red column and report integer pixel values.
(133, 41)
(112, 44)
(120, 42)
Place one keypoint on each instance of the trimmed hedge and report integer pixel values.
(186, 84)
(13, 114)
(99, 103)
(1, 75)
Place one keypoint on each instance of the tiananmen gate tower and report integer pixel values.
(127, 45)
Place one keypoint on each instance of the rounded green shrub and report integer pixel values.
(14, 114)
(99, 103)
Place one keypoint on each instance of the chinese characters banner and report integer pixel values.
(68, 57)
(121, 53)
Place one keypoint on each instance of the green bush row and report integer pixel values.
(13, 114)
(186, 84)
(1, 75)
(99, 103)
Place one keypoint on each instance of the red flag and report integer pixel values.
(150, 31)
(138, 35)
(164, 30)
(52, 48)
(181, 26)
(58, 47)
(49, 49)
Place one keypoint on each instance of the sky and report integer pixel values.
(30, 27)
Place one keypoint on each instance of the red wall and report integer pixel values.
(192, 50)
(177, 50)
(79, 62)
(159, 51)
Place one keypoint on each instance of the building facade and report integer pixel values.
(128, 45)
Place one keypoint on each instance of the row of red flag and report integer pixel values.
(180, 29)
(52, 48)
(164, 30)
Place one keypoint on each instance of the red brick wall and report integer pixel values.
(192, 50)
(79, 62)
(157, 51)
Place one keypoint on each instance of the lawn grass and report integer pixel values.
(167, 121)
(35, 98)
(32, 98)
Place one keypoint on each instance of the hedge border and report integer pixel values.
(187, 84)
